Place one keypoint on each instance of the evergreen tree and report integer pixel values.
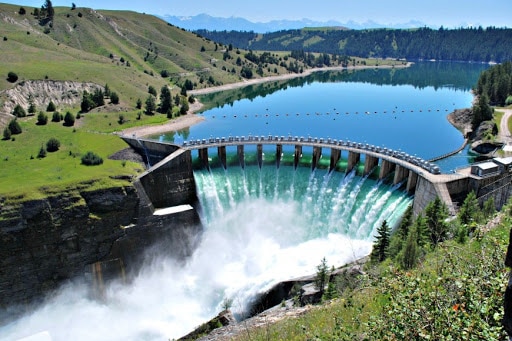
(51, 107)
(31, 106)
(107, 91)
(489, 208)
(152, 90)
(87, 102)
(14, 127)
(165, 100)
(48, 9)
(7, 133)
(114, 97)
(150, 105)
(322, 276)
(410, 253)
(481, 111)
(381, 243)
(18, 111)
(436, 214)
(69, 119)
(42, 118)
(469, 211)
(138, 105)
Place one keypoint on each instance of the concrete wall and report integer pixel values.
(171, 181)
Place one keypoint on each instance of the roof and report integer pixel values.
(486, 165)
(504, 160)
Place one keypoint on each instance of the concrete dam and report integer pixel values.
(170, 182)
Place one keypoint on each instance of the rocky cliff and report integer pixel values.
(44, 243)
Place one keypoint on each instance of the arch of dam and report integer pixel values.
(169, 182)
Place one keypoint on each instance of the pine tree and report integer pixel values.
(410, 253)
(469, 211)
(165, 100)
(322, 276)
(381, 244)
(436, 214)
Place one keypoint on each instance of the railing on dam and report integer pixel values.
(403, 159)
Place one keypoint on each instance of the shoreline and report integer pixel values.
(191, 118)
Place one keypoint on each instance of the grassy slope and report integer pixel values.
(79, 48)
(456, 293)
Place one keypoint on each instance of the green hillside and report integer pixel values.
(125, 50)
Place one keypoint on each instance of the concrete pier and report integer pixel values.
(353, 160)
(386, 168)
(203, 156)
(317, 154)
(279, 154)
(335, 157)
(401, 173)
(241, 155)
(370, 163)
(221, 152)
(297, 155)
(259, 148)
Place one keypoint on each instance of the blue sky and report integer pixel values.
(448, 13)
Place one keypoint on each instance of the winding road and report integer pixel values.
(504, 133)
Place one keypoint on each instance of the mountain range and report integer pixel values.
(207, 22)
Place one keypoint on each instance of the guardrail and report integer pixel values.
(333, 143)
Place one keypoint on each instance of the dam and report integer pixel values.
(413, 173)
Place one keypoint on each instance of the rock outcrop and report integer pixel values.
(46, 242)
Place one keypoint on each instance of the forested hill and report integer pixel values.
(464, 44)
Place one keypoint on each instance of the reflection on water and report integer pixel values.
(402, 109)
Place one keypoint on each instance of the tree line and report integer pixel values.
(464, 44)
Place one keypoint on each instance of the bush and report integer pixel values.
(11, 76)
(91, 159)
(42, 153)
(69, 119)
(51, 107)
(18, 111)
(114, 98)
(56, 117)
(42, 118)
(7, 134)
(508, 101)
(14, 127)
(52, 145)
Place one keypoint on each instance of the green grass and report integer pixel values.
(25, 175)
(455, 293)
(89, 48)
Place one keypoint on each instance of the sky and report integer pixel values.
(435, 13)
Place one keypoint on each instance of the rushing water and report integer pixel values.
(269, 224)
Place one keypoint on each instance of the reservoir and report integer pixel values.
(403, 109)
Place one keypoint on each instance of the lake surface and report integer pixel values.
(403, 109)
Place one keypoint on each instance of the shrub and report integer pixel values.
(51, 107)
(114, 98)
(508, 101)
(91, 159)
(18, 111)
(14, 127)
(52, 145)
(7, 134)
(69, 119)
(56, 117)
(42, 153)
(42, 118)
(11, 76)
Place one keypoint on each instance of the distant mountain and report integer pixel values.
(207, 22)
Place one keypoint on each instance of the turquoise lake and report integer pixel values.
(404, 109)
